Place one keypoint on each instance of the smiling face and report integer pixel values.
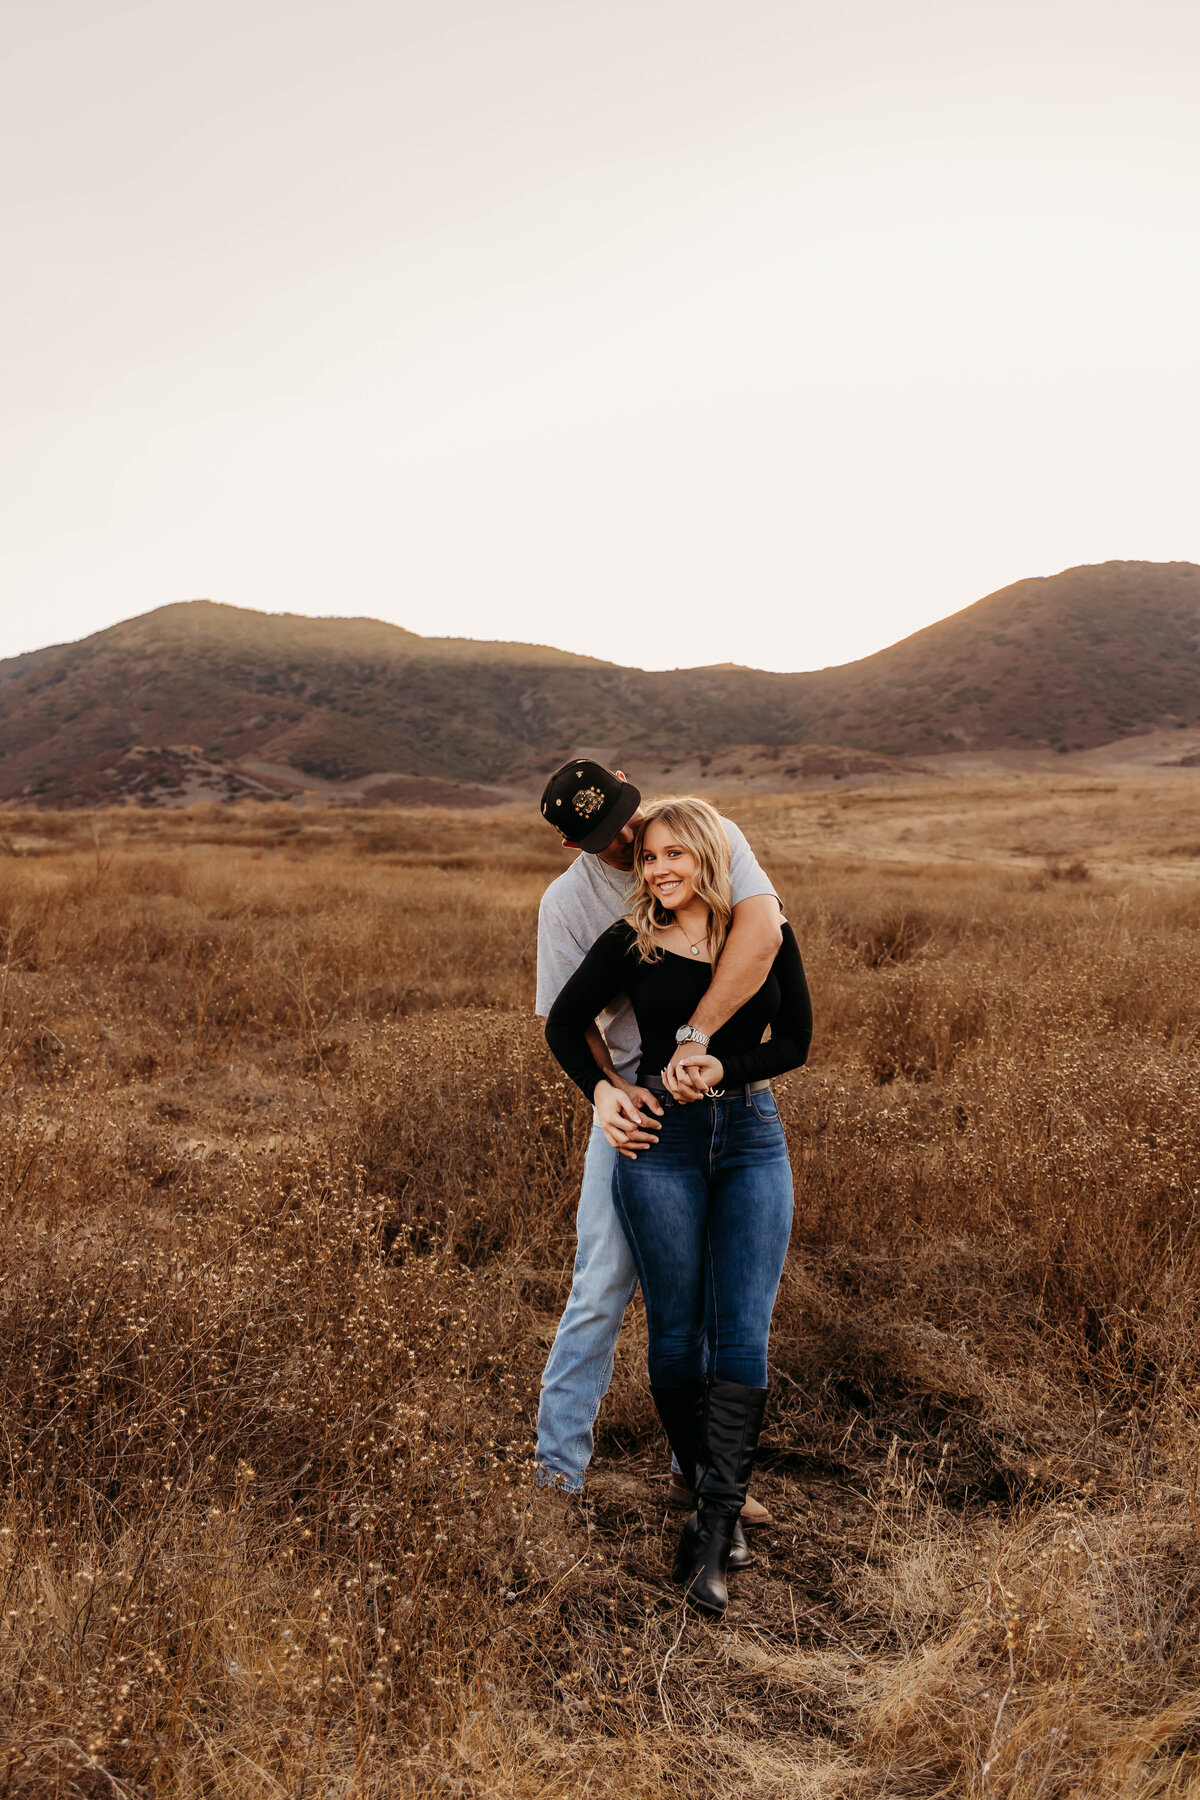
(668, 867)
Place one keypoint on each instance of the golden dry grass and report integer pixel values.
(287, 1181)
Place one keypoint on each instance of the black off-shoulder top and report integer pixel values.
(665, 994)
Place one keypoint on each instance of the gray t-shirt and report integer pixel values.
(581, 904)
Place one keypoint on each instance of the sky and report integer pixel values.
(671, 331)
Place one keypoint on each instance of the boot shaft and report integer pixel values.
(681, 1410)
(732, 1423)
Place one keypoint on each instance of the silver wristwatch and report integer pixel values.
(687, 1034)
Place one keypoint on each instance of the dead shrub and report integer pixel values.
(470, 1132)
(894, 937)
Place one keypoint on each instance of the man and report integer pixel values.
(597, 811)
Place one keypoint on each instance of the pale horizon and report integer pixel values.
(769, 333)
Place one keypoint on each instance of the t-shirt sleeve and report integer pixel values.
(746, 878)
(601, 975)
(559, 954)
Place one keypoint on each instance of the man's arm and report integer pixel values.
(755, 935)
(599, 1050)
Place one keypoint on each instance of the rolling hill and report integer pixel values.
(198, 698)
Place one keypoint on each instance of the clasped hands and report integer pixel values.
(630, 1116)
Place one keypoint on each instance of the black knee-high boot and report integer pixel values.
(681, 1410)
(732, 1421)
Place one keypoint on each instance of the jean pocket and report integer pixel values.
(764, 1105)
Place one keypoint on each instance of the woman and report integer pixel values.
(707, 1208)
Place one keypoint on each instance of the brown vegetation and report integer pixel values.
(287, 1180)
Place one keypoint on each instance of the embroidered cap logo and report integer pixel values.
(588, 801)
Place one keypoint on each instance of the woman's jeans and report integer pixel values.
(708, 1213)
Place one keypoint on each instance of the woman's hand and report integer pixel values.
(702, 1071)
(625, 1116)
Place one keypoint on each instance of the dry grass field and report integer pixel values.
(286, 1187)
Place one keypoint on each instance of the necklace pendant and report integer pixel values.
(695, 949)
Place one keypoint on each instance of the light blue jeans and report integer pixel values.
(579, 1367)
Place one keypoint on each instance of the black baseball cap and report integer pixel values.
(588, 803)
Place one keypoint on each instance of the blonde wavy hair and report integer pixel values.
(694, 824)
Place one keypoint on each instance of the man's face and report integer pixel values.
(618, 854)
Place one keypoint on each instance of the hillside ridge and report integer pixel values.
(237, 702)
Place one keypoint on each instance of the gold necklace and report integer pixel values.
(694, 948)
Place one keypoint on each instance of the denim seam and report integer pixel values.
(716, 1138)
(599, 1389)
(714, 1348)
(714, 1151)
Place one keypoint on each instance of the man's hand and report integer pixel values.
(691, 1073)
(626, 1116)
